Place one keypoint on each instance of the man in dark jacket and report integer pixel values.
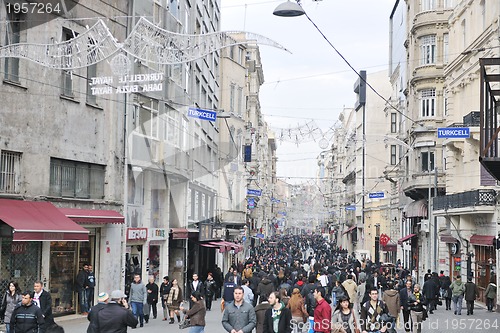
(116, 316)
(152, 298)
(265, 287)
(404, 297)
(80, 283)
(102, 300)
(430, 290)
(164, 291)
(27, 317)
(42, 298)
(278, 312)
(471, 293)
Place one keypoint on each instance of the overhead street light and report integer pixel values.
(289, 9)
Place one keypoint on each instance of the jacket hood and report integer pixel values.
(300, 283)
(391, 293)
(265, 281)
(350, 281)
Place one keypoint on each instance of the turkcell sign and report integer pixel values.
(350, 208)
(376, 195)
(202, 114)
(257, 193)
(453, 132)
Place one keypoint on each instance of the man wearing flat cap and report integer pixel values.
(115, 316)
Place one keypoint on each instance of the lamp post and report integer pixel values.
(289, 9)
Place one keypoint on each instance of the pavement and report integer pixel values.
(441, 321)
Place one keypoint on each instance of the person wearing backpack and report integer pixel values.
(491, 294)
(371, 313)
(457, 294)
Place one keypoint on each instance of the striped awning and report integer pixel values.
(416, 208)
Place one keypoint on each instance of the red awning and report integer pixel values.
(389, 248)
(349, 230)
(405, 238)
(208, 245)
(482, 240)
(446, 238)
(39, 221)
(179, 233)
(93, 216)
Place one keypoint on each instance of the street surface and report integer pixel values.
(441, 321)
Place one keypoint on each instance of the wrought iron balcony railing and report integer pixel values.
(485, 197)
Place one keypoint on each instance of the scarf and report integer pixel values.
(276, 314)
(173, 295)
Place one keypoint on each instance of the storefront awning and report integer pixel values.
(93, 216)
(482, 240)
(349, 230)
(405, 238)
(179, 233)
(447, 238)
(389, 248)
(416, 209)
(39, 221)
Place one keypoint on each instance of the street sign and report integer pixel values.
(350, 208)
(251, 203)
(260, 236)
(257, 193)
(453, 132)
(202, 114)
(376, 195)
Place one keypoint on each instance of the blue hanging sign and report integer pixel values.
(202, 114)
(453, 132)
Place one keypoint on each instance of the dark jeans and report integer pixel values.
(470, 307)
(137, 310)
(407, 320)
(448, 303)
(82, 299)
(490, 303)
(432, 304)
(90, 297)
(208, 302)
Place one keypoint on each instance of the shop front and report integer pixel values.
(485, 261)
(135, 251)
(157, 250)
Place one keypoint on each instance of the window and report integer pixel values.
(428, 5)
(445, 48)
(10, 169)
(231, 97)
(240, 101)
(428, 102)
(173, 8)
(445, 103)
(73, 179)
(393, 154)
(171, 126)
(483, 14)
(449, 3)
(67, 75)
(464, 34)
(148, 117)
(428, 49)
(427, 161)
(13, 36)
(394, 125)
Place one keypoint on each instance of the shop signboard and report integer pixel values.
(137, 234)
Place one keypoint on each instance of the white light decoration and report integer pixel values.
(147, 42)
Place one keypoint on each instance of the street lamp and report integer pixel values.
(289, 9)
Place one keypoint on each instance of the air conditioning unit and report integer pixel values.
(424, 226)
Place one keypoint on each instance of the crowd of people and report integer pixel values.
(293, 284)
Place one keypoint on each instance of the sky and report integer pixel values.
(308, 88)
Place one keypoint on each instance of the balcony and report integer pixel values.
(477, 201)
(417, 185)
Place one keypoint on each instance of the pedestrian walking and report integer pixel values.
(102, 300)
(491, 295)
(418, 311)
(116, 317)
(11, 298)
(43, 300)
(27, 318)
(322, 312)
(174, 301)
(371, 313)
(390, 296)
(345, 318)
(138, 298)
(152, 299)
(445, 287)
(196, 314)
(470, 293)
(195, 285)
(164, 292)
(238, 315)
(277, 317)
(457, 294)
(260, 314)
(80, 282)
(247, 292)
(210, 291)
(298, 310)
